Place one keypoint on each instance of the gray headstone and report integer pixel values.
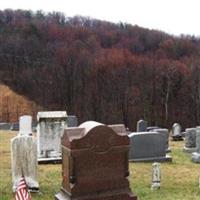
(24, 158)
(165, 133)
(141, 126)
(72, 121)
(148, 146)
(5, 126)
(50, 129)
(190, 140)
(196, 155)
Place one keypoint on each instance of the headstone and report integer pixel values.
(148, 146)
(190, 140)
(5, 126)
(95, 163)
(141, 126)
(165, 133)
(72, 121)
(176, 132)
(196, 155)
(14, 127)
(50, 129)
(156, 176)
(24, 156)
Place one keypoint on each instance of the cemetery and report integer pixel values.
(98, 107)
(100, 161)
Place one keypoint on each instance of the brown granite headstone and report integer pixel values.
(95, 163)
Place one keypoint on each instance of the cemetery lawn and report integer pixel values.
(179, 181)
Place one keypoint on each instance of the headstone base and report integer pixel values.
(112, 195)
(189, 150)
(196, 157)
(155, 186)
(50, 160)
(166, 158)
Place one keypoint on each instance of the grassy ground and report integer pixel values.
(179, 178)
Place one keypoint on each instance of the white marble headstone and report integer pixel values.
(51, 125)
(156, 176)
(25, 125)
(24, 156)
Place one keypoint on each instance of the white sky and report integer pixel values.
(172, 16)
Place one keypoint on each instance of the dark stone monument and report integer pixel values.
(148, 146)
(141, 125)
(95, 163)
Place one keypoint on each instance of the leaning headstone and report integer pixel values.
(156, 176)
(148, 146)
(196, 155)
(190, 140)
(176, 132)
(141, 125)
(165, 133)
(95, 163)
(50, 129)
(72, 121)
(24, 156)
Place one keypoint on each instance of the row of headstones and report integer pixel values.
(24, 147)
(71, 122)
(83, 148)
(27, 150)
(176, 129)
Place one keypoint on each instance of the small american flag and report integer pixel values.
(22, 191)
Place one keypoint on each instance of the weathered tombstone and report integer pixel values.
(95, 163)
(72, 121)
(190, 140)
(148, 146)
(156, 176)
(165, 133)
(176, 132)
(24, 156)
(196, 155)
(141, 126)
(50, 129)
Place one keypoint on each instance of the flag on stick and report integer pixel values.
(22, 191)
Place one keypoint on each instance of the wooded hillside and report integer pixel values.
(97, 70)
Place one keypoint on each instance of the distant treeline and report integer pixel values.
(97, 70)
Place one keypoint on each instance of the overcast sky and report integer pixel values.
(172, 16)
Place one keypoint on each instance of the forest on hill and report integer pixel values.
(97, 70)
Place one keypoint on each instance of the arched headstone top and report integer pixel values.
(95, 136)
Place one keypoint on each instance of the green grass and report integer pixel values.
(179, 179)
